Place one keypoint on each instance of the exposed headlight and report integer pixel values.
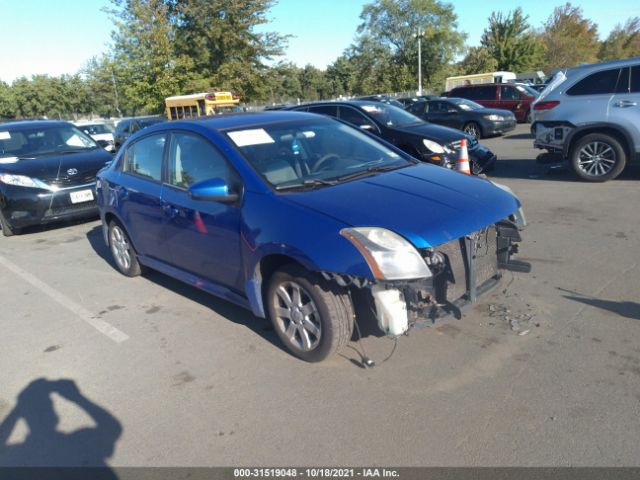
(389, 256)
(22, 181)
(494, 118)
(433, 146)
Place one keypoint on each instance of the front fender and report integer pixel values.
(274, 226)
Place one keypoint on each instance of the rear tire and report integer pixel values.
(527, 117)
(7, 230)
(597, 157)
(312, 316)
(122, 252)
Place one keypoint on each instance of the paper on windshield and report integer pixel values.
(9, 159)
(5, 136)
(256, 136)
(371, 108)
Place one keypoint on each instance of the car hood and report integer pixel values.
(438, 133)
(50, 168)
(426, 204)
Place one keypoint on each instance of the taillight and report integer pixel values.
(546, 105)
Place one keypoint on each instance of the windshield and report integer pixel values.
(465, 104)
(95, 129)
(389, 115)
(43, 140)
(312, 153)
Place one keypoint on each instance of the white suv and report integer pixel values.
(591, 115)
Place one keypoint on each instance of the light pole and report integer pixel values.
(419, 35)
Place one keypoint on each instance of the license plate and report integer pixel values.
(81, 196)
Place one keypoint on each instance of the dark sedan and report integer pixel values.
(425, 141)
(470, 117)
(47, 173)
(128, 126)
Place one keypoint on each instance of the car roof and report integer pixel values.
(232, 121)
(358, 103)
(26, 124)
(611, 63)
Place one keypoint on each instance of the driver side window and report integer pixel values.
(193, 159)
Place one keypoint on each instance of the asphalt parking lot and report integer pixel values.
(545, 371)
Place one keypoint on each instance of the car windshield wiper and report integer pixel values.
(310, 183)
(371, 170)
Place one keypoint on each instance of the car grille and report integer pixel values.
(65, 180)
(471, 257)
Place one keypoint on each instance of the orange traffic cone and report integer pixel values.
(463, 160)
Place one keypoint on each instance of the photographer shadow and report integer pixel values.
(44, 445)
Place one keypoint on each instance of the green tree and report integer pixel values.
(569, 38)
(390, 28)
(511, 41)
(220, 39)
(622, 42)
(478, 60)
(7, 101)
(144, 46)
(340, 77)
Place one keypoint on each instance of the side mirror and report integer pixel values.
(212, 190)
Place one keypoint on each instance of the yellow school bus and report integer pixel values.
(201, 104)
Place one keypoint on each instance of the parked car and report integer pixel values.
(470, 117)
(47, 173)
(408, 101)
(380, 98)
(129, 126)
(425, 141)
(591, 116)
(505, 96)
(100, 132)
(287, 214)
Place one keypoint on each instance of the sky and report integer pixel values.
(55, 37)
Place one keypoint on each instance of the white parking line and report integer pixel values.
(103, 327)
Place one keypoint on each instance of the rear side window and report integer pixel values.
(635, 79)
(509, 93)
(331, 110)
(477, 93)
(144, 157)
(597, 83)
(354, 117)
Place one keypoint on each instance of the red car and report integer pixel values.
(506, 96)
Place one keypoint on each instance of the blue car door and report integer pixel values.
(139, 196)
(204, 236)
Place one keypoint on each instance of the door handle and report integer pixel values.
(625, 103)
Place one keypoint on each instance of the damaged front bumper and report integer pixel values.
(463, 270)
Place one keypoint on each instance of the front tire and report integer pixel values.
(312, 316)
(598, 157)
(7, 230)
(473, 129)
(122, 251)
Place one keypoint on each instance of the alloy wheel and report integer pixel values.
(472, 130)
(297, 316)
(120, 248)
(596, 159)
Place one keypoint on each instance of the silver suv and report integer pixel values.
(591, 115)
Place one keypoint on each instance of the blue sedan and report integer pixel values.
(291, 214)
